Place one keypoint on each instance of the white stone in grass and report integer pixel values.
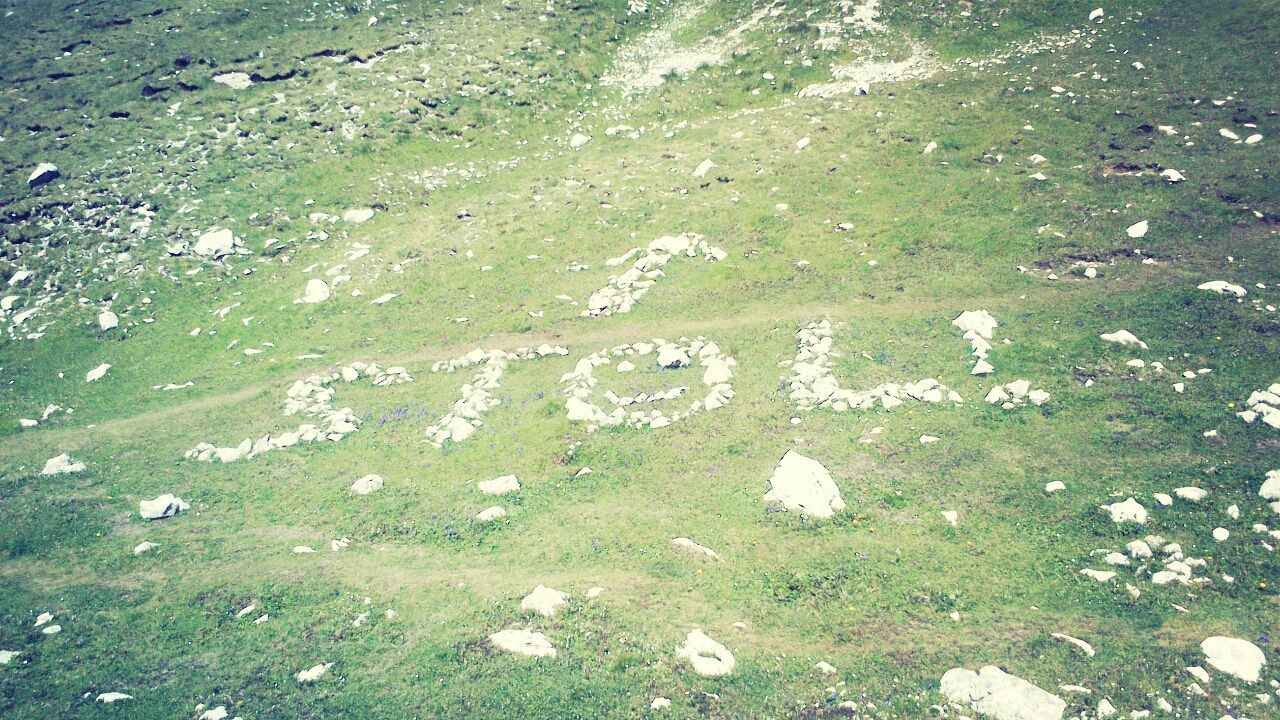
(708, 657)
(1054, 486)
(108, 320)
(356, 216)
(801, 484)
(313, 673)
(1253, 139)
(215, 243)
(952, 517)
(61, 465)
(1129, 511)
(1270, 489)
(1228, 134)
(1164, 499)
(43, 618)
(143, 547)
(384, 299)
(1097, 14)
(1124, 338)
(167, 505)
(51, 629)
(1194, 494)
(1099, 575)
(234, 80)
(825, 668)
(1239, 658)
(110, 697)
(1222, 287)
(367, 484)
(690, 546)
(44, 173)
(545, 601)
(1138, 229)
(97, 373)
(490, 513)
(523, 642)
(499, 485)
(579, 140)
(928, 149)
(7, 656)
(218, 713)
(1172, 175)
(317, 291)
(703, 168)
(1221, 534)
(660, 703)
(929, 439)
(977, 321)
(995, 693)
(1083, 646)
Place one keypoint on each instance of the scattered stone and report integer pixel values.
(110, 697)
(61, 464)
(313, 673)
(1239, 658)
(97, 373)
(703, 168)
(7, 656)
(143, 547)
(545, 601)
(1138, 229)
(108, 320)
(1124, 338)
(234, 80)
(688, 545)
(367, 484)
(660, 703)
(578, 140)
(991, 691)
(1054, 486)
(1083, 646)
(708, 657)
(523, 642)
(165, 506)
(317, 291)
(803, 485)
(1129, 511)
(43, 173)
(216, 243)
(358, 216)
(499, 486)
(490, 513)
(1222, 287)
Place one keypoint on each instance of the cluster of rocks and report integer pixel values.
(1016, 393)
(978, 326)
(463, 418)
(626, 289)
(580, 383)
(310, 397)
(1263, 405)
(812, 384)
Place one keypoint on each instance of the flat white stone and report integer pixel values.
(313, 673)
(801, 484)
(499, 485)
(108, 320)
(7, 656)
(490, 513)
(995, 693)
(1083, 646)
(1239, 658)
(234, 80)
(144, 546)
(1129, 511)
(317, 291)
(523, 642)
(578, 140)
(1138, 229)
(545, 601)
(1222, 287)
(166, 505)
(356, 216)
(215, 243)
(1054, 486)
(685, 543)
(97, 373)
(367, 484)
(703, 168)
(110, 697)
(708, 657)
(1123, 337)
(61, 464)
(978, 321)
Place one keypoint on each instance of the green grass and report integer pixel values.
(870, 591)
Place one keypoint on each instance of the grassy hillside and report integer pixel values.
(884, 167)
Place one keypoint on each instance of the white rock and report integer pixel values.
(825, 668)
(1138, 229)
(708, 657)
(166, 505)
(499, 486)
(544, 601)
(356, 216)
(1083, 646)
(803, 485)
(952, 517)
(523, 642)
(490, 513)
(1222, 287)
(1194, 494)
(313, 673)
(215, 243)
(317, 291)
(660, 703)
(1239, 658)
(1096, 15)
(1128, 511)
(97, 373)
(7, 656)
(367, 484)
(978, 321)
(60, 465)
(234, 80)
(578, 140)
(1221, 534)
(1123, 337)
(384, 299)
(703, 168)
(1054, 486)
(110, 697)
(685, 543)
(993, 692)
(144, 546)
(43, 173)
(108, 320)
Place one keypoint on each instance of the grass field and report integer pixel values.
(454, 122)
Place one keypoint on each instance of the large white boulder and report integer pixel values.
(317, 291)
(707, 656)
(108, 320)
(367, 484)
(1233, 656)
(993, 692)
(801, 484)
(44, 173)
(499, 486)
